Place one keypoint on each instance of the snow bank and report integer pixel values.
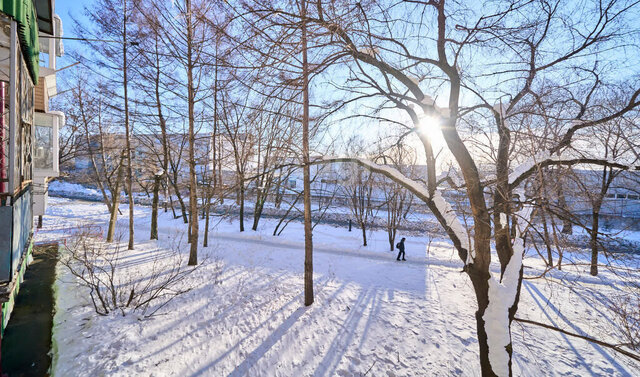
(71, 188)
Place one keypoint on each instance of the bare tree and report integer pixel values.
(397, 199)
(389, 65)
(185, 35)
(274, 132)
(594, 184)
(68, 135)
(306, 180)
(236, 118)
(358, 189)
(104, 150)
(127, 125)
(110, 20)
(153, 70)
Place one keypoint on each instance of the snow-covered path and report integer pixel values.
(372, 315)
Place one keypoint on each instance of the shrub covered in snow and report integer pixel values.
(113, 284)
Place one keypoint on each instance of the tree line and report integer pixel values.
(521, 93)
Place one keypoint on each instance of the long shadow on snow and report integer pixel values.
(602, 298)
(533, 289)
(270, 340)
(374, 313)
(180, 320)
(340, 343)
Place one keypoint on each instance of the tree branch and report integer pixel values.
(587, 338)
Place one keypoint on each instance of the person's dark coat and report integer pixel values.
(400, 246)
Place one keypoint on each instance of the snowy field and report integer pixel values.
(372, 316)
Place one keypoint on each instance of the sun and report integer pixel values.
(429, 125)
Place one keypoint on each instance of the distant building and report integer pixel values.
(621, 200)
(147, 158)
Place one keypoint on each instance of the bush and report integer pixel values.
(114, 283)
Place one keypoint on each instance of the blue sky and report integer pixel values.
(67, 9)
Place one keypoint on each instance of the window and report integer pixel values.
(43, 148)
(620, 196)
(24, 158)
(632, 196)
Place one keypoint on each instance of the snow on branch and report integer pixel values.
(527, 167)
(544, 159)
(502, 295)
(438, 205)
(454, 224)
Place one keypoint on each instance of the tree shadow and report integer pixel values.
(341, 341)
(539, 297)
(269, 342)
(272, 339)
(197, 313)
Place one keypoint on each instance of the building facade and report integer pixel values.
(28, 132)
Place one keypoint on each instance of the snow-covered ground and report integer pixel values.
(372, 315)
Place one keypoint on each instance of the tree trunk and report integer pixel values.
(485, 364)
(165, 202)
(193, 193)
(277, 199)
(213, 182)
(480, 281)
(480, 271)
(308, 236)
(241, 199)
(364, 234)
(595, 225)
(115, 201)
(286, 214)
(207, 210)
(154, 207)
(261, 198)
(481, 289)
(173, 208)
(183, 207)
(567, 226)
(547, 238)
(257, 213)
(127, 129)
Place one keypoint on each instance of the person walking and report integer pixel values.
(400, 246)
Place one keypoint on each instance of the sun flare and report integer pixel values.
(429, 125)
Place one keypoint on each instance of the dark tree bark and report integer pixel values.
(127, 127)
(193, 188)
(308, 231)
(154, 207)
(115, 199)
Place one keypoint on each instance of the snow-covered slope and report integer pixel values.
(372, 316)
